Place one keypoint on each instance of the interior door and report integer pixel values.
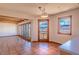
(43, 30)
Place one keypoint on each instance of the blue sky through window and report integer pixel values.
(65, 24)
(43, 26)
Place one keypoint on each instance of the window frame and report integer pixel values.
(59, 18)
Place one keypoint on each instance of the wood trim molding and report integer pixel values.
(9, 36)
(34, 41)
(24, 38)
(54, 42)
(47, 42)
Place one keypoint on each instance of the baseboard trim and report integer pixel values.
(24, 38)
(49, 42)
(55, 42)
(8, 36)
(35, 41)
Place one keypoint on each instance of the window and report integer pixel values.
(64, 25)
(25, 30)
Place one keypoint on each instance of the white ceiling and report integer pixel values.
(23, 9)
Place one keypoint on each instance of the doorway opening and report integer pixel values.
(43, 30)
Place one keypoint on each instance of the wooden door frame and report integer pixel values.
(47, 31)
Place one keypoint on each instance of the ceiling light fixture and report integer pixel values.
(44, 14)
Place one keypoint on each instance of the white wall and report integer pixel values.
(53, 27)
(34, 30)
(8, 29)
(61, 38)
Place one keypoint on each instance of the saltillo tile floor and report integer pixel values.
(15, 45)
